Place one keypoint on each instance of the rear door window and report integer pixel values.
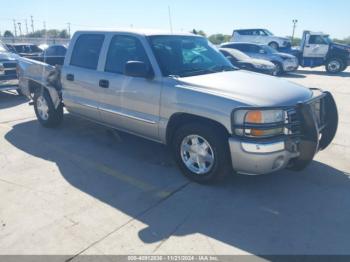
(87, 51)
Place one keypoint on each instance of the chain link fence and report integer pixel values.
(37, 41)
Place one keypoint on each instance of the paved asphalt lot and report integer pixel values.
(83, 189)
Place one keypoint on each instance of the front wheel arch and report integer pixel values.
(179, 119)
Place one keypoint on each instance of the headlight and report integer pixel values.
(259, 123)
(260, 66)
(266, 67)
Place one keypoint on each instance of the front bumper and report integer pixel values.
(294, 150)
(254, 158)
(290, 66)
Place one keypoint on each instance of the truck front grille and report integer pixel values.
(293, 126)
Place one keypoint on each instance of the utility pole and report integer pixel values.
(295, 21)
(20, 28)
(15, 27)
(170, 20)
(44, 25)
(26, 22)
(32, 23)
(68, 24)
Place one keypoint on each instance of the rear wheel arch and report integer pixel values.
(180, 119)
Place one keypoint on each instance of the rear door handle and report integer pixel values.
(104, 83)
(70, 77)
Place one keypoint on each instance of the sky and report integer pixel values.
(211, 16)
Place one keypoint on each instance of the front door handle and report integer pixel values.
(70, 77)
(104, 83)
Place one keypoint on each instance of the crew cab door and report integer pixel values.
(80, 77)
(129, 103)
(315, 47)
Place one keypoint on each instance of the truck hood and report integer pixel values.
(284, 55)
(257, 61)
(248, 88)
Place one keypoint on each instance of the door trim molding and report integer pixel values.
(128, 116)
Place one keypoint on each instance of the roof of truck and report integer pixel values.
(145, 32)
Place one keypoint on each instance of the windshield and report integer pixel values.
(3, 48)
(327, 39)
(269, 50)
(187, 56)
(268, 32)
(238, 55)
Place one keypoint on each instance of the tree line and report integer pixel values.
(52, 33)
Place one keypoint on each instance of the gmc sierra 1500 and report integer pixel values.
(179, 90)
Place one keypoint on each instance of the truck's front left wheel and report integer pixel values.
(334, 65)
(201, 151)
(47, 114)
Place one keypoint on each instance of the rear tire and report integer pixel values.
(45, 111)
(334, 65)
(202, 153)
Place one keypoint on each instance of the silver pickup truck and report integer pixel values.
(179, 90)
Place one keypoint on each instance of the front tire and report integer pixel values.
(334, 65)
(45, 110)
(201, 151)
(279, 69)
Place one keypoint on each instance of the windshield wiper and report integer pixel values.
(223, 68)
(195, 71)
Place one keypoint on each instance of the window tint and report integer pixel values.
(61, 50)
(87, 50)
(187, 55)
(317, 40)
(245, 32)
(51, 51)
(122, 50)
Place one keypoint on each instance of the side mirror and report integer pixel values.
(137, 69)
